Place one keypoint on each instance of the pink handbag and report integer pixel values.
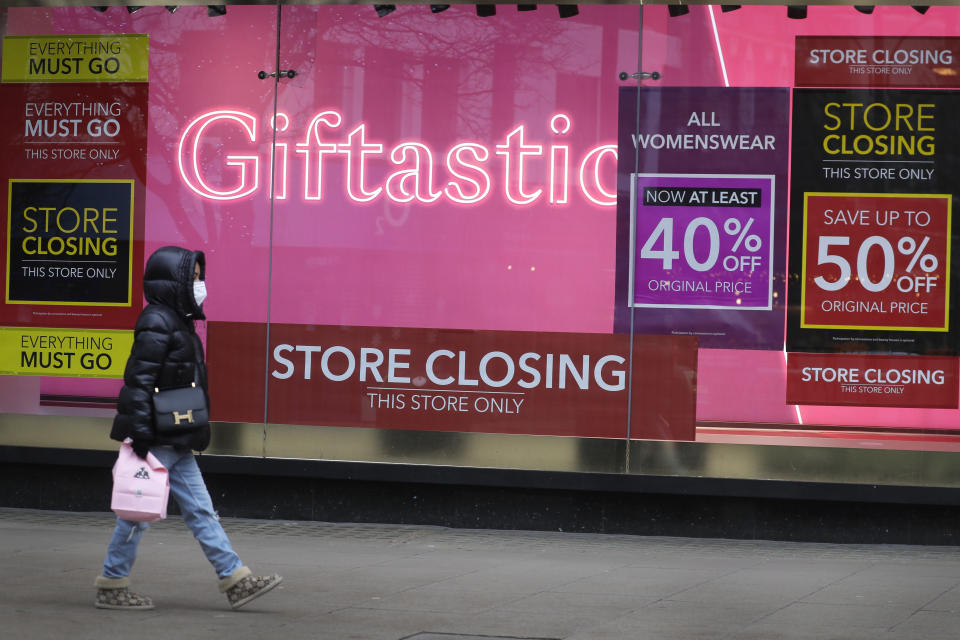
(140, 487)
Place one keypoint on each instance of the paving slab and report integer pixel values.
(394, 582)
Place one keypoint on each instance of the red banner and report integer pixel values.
(564, 384)
(847, 61)
(872, 380)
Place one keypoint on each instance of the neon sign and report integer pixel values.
(470, 171)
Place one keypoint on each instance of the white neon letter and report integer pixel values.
(357, 149)
(398, 187)
(189, 161)
(590, 176)
(333, 120)
(280, 158)
(559, 161)
(514, 151)
(480, 186)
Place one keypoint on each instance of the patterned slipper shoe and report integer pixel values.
(114, 593)
(242, 586)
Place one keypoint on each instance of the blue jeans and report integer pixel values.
(190, 492)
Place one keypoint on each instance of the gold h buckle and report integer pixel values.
(188, 416)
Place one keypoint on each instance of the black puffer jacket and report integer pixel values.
(166, 350)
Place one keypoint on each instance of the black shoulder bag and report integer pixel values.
(179, 410)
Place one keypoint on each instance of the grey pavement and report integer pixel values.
(390, 582)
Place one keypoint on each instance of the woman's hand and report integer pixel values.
(141, 448)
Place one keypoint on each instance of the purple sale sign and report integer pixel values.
(701, 214)
(702, 241)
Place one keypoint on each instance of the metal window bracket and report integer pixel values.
(640, 75)
(283, 73)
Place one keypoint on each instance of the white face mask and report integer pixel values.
(199, 291)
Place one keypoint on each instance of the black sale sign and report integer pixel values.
(69, 242)
(872, 239)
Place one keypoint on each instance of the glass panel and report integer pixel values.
(743, 388)
(444, 227)
(161, 103)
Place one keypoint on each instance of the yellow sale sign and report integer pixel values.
(81, 353)
(76, 58)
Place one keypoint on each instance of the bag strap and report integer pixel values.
(157, 390)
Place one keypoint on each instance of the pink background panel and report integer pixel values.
(441, 80)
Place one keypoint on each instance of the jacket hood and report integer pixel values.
(168, 280)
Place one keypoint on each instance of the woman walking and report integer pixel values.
(168, 353)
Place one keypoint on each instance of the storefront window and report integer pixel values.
(619, 241)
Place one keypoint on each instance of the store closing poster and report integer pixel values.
(74, 113)
(538, 383)
(872, 243)
(701, 214)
